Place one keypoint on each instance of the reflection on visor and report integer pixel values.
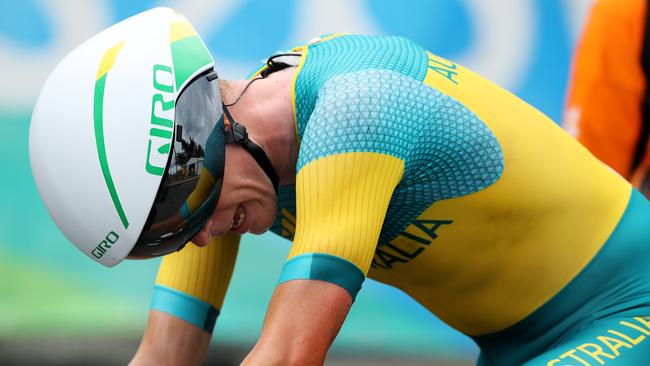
(191, 184)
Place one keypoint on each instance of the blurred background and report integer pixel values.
(59, 308)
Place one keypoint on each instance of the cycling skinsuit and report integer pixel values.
(419, 173)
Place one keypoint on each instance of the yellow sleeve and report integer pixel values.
(192, 283)
(341, 201)
(201, 191)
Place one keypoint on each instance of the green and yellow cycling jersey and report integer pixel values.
(421, 174)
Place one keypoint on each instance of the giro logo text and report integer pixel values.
(162, 123)
(105, 244)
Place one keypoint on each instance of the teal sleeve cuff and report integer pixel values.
(324, 267)
(183, 306)
(185, 211)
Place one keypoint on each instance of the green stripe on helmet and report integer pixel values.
(98, 116)
(188, 55)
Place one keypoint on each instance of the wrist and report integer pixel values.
(171, 341)
(284, 354)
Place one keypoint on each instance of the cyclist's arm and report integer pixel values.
(347, 170)
(188, 295)
(169, 340)
(342, 198)
(302, 320)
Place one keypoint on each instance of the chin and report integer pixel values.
(259, 231)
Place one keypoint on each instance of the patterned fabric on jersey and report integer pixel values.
(365, 94)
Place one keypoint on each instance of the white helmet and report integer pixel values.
(127, 140)
(114, 156)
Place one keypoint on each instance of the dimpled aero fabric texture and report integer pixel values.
(447, 151)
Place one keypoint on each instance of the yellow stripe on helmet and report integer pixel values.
(182, 29)
(108, 60)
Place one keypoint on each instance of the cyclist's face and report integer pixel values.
(247, 202)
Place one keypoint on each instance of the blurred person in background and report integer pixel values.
(608, 108)
(376, 158)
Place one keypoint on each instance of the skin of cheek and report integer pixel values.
(245, 183)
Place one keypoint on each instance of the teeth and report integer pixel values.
(241, 215)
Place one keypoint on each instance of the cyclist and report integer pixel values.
(376, 158)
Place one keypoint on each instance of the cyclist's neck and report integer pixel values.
(266, 110)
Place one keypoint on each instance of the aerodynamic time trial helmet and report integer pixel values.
(127, 139)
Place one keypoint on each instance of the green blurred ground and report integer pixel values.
(114, 351)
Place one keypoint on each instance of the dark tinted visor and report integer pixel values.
(191, 184)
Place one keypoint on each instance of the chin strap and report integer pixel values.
(238, 135)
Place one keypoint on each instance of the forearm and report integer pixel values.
(301, 323)
(170, 341)
(189, 291)
(276, 350)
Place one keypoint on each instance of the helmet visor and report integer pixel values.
(191, 183)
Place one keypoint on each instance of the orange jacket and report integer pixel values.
(607, 106)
